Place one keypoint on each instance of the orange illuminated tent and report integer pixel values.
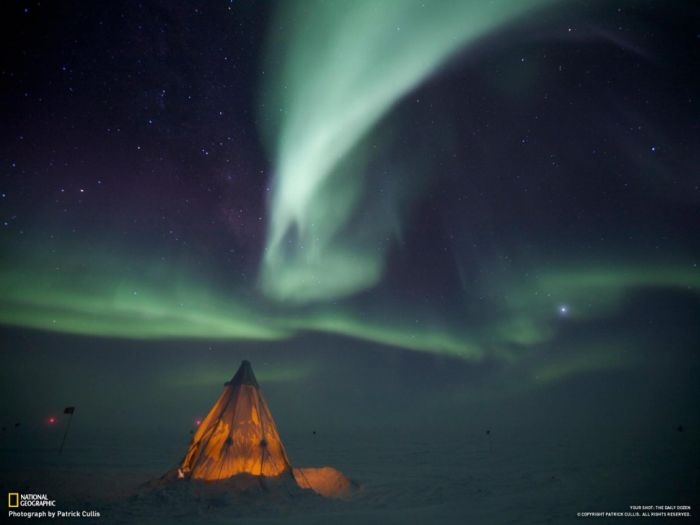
(239, 437)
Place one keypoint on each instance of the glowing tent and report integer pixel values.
(239, 437)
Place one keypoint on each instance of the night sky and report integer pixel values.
(393, 209)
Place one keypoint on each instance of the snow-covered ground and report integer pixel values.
(404, 478)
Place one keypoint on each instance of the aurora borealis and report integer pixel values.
(79, 299)
(330, 90)
(327, 229)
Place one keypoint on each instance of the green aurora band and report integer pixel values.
(112, 295)
(336, 69)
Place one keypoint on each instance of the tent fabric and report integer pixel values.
(237, 436)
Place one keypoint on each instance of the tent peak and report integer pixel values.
(244, 376)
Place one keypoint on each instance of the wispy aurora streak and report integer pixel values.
(337, 68)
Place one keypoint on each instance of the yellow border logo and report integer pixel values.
(13, 497)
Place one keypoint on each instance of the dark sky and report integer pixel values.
(387, 208)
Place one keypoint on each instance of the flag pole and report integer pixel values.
(65, 434)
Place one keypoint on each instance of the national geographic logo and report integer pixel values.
(23, 506)
(16, 500)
